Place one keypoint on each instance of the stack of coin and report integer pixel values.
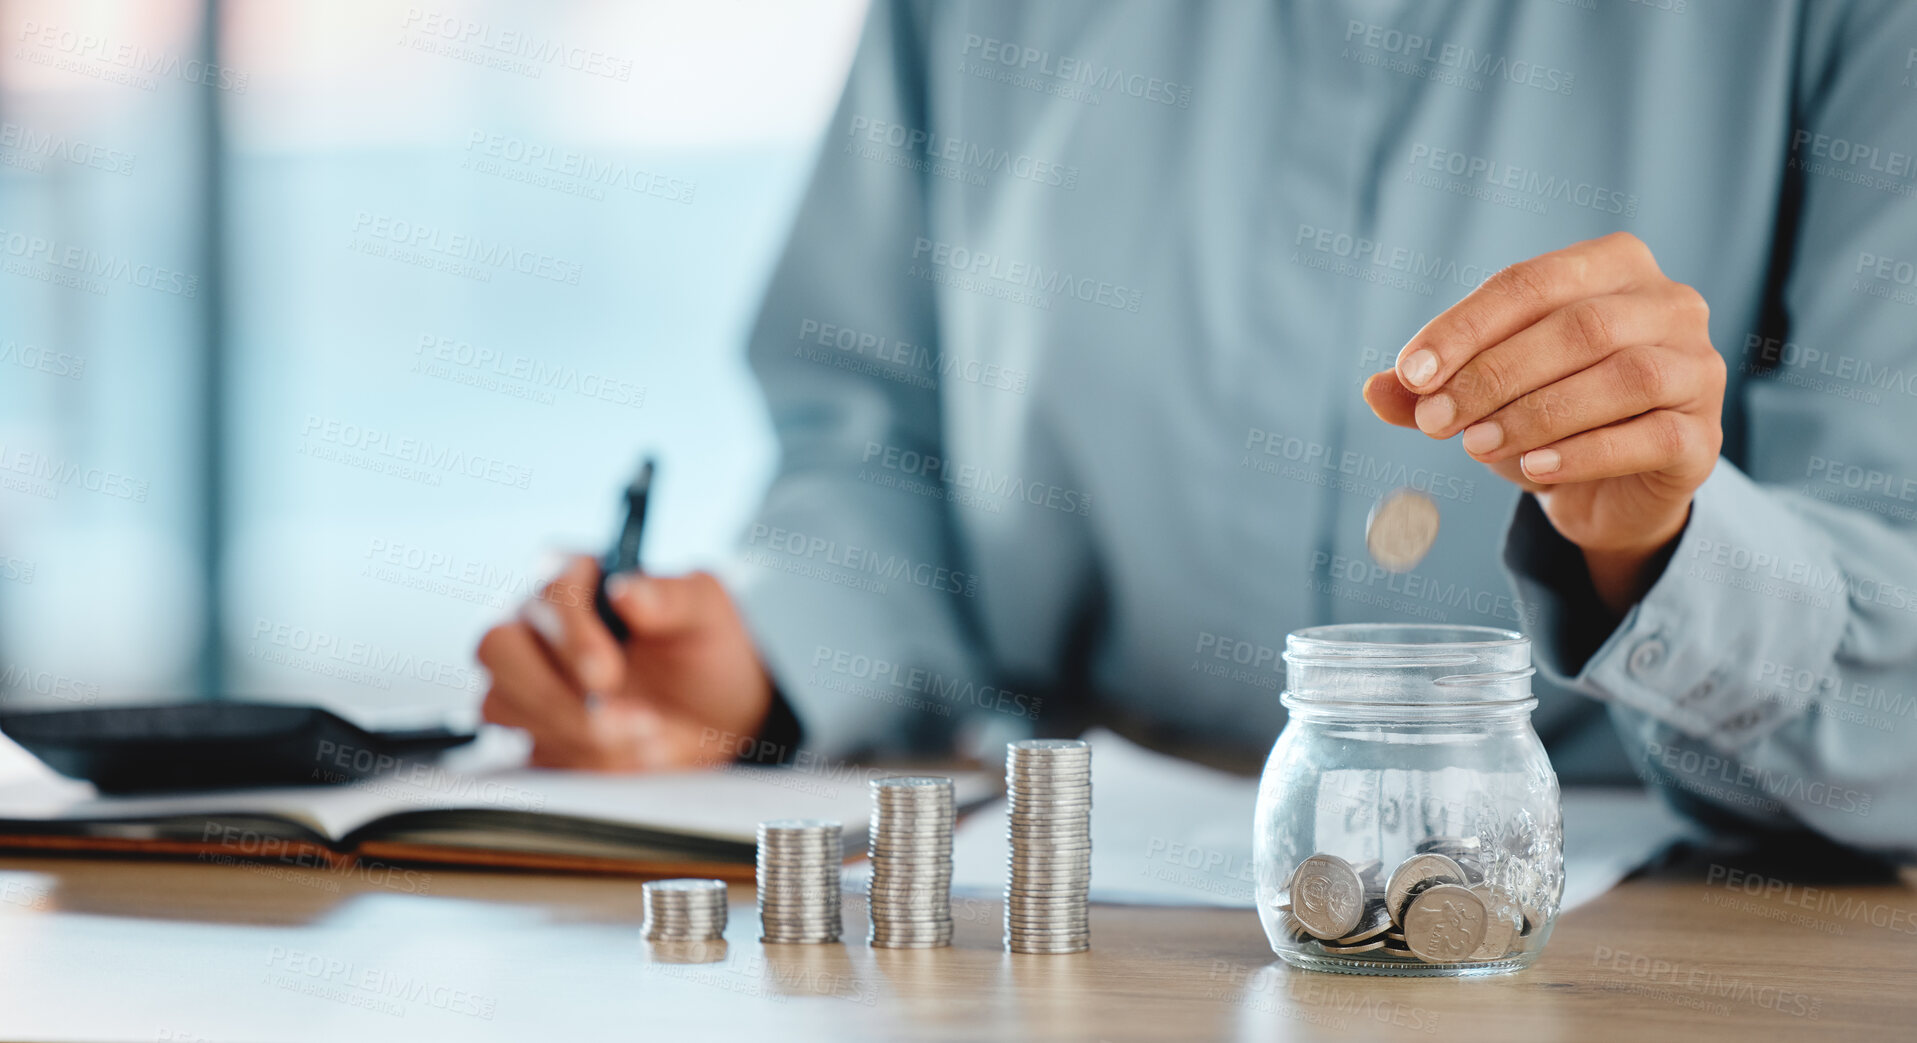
(911, 848)
(1048, 793)
(1435, 907)
(685, 910)
(799, 863)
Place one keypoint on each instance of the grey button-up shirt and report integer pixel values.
(1065, 352)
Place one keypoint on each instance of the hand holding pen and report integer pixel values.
(611, 668)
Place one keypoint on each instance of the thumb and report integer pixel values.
(1390, 399)
(659, 606)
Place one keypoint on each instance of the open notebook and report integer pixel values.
(465, 809)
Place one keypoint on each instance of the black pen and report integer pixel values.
(624, 554)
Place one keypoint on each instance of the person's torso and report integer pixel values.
(1169, 241)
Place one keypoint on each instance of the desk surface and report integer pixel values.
(106, 949)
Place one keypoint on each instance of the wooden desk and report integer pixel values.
(104, 949)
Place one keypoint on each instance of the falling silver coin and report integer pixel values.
(1401, 528)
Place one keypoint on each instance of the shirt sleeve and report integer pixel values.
(1769, 674)
(852, 588)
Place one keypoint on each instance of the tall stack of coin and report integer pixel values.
(1048, 794)
(799, 863)
(685, 910)
(911, 848)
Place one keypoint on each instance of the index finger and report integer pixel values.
(1516, 297)
(564, 616)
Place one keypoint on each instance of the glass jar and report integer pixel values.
(1408, 820)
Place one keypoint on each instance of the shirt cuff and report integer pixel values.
(1748, 579)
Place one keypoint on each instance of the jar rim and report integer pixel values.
(1351, 639)
(1427, 665)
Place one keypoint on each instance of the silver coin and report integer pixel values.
(1413, 871)
(1502, 918)
(1444, 924)
(1356, 947)
(1401, 528)
(1327, 896)
(1374, 923)
(684, 885)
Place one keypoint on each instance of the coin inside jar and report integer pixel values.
(1501, 923)
(1444, 924)
(1327, 896)
(1400, 529)
(1416, 870)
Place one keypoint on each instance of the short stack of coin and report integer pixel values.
(1435, 907)
(911, 849)
(799, 862)
(1048, 793)
(685, 910)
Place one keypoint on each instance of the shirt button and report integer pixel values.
(1698, 694)
(1647, 656)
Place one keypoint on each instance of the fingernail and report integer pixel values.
(1436, 413)
(598, 673)
(632, 588)
(1540, 462)
(1419, 367)
(1482, 438)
